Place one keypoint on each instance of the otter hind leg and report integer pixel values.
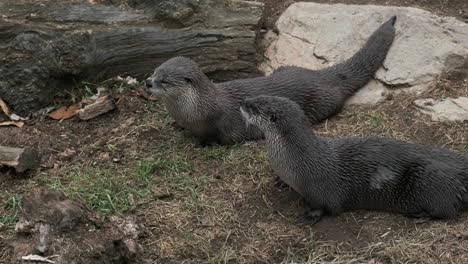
(280, 183)
(207, 141)
(176, 126)
(448, 211)
(421, 214)
(311, 216)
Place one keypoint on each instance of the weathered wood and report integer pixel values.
(101, 106)
(47, 47)
(21, 159)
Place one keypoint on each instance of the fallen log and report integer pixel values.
(21, 159)
(46, 48)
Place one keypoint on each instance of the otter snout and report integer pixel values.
(149, 83)
(155, 88)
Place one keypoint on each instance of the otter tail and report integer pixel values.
(356, 72)
(465, 189)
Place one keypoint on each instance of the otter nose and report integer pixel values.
(247, 102)
(149, 83)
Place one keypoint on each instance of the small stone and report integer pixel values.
(131, 81)
(104, 156)
(67, 153)
(310, 36)
(448, 109)
(131, 199)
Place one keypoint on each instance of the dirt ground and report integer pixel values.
(219, 204)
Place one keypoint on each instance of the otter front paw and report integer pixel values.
(421, 214)
(280, 183)
(310, 216)
(177, 127)
(206, 142)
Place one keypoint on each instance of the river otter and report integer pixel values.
(211, 111)
(334, 175)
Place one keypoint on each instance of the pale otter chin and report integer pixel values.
(211, 111)
(340, 174)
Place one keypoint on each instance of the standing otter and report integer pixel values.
(211, 111)
(334, 175)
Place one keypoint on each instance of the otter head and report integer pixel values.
(175, 78)
(272, 113)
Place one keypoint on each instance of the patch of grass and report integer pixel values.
(225, 254)
(175, 172)
(214, 153)
(374, 121)
(145, 168)
(106, 189)
(157, 109)
(11, 206)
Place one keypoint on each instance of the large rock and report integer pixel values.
(448, 109)
(318, 35)
(46, 48)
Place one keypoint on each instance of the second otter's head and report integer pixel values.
(176, 77)
(273, 113)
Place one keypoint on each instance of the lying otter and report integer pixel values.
(335, 175)
(211, 111)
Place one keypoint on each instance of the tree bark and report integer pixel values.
(48, 46)
(22, 159)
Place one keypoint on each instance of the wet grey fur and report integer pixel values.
(335, 175)
(211, 111)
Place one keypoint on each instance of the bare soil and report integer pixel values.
(219, 204)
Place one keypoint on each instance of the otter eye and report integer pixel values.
(188, 80)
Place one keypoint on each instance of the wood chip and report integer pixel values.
(12, 123)
(101, 106)
(22, 159)
(143, 93)
(39, 258)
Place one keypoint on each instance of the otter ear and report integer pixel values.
(188, 80)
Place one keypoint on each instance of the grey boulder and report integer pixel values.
(315, 36)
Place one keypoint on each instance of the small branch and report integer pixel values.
(101, 106)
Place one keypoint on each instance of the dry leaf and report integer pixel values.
(9, 113)
(12, 123)
(5, 108)
(65, 112)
